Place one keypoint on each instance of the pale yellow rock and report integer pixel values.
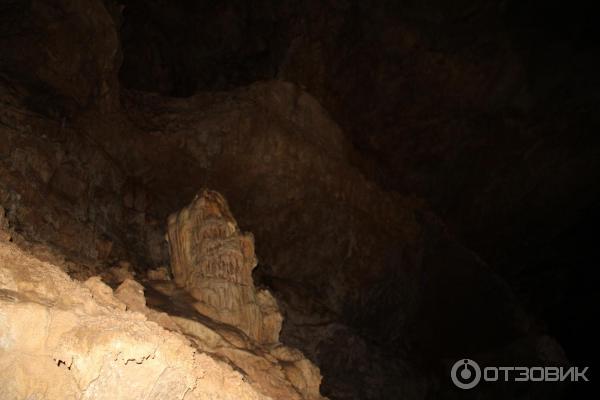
(206, 337)
(61, 339)
(287, 354)
(167, 288)
(159, 274)
(213, 260)
(119, 273)
(271, 317)
(102, 293)
(278, 371)
(131, 293)
(306, 377)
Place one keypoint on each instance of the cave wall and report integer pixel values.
(487, 109)
(58, 186)
(345, 258)
(59, 59)
(397, 115)
(68, 51)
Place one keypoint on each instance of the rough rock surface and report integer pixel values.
(365, 277)
(60, 339)
(213, 260)
(57, 186)
(337, 249)
(68, 51)
(488, 109)
(276, 370)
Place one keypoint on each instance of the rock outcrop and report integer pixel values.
(338, 251)
(68, 51)
(437, 100)
(60, 339)
(276, 370)
(213, 260)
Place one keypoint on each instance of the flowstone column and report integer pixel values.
(213, 260)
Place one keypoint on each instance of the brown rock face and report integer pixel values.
(213, 260)
(339, 252)
(72, 61)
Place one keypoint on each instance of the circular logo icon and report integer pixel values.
(465, 374)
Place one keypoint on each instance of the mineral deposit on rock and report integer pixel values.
(213, 260)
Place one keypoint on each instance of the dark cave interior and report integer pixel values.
(421, 177)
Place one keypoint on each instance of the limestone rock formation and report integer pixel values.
(329, 240)
(276, 370)
(405, 96)
(60, 339)
(213, 260)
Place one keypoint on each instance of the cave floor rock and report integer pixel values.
(63, 339)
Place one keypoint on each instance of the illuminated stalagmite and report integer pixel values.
(213, 260)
